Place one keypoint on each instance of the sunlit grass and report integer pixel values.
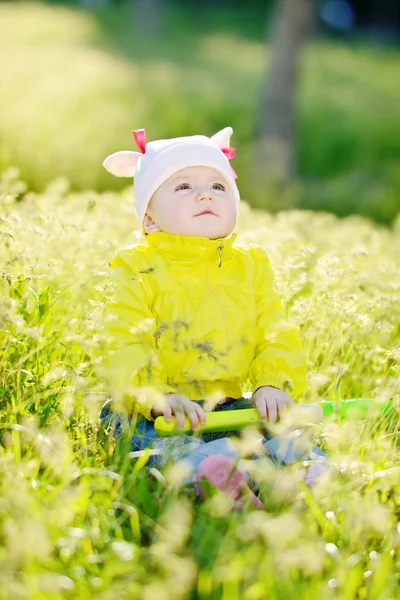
(80, 519)
(74, 84)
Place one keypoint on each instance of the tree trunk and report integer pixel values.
(276, 149)
(148, 18)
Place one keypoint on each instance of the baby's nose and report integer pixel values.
(204, 194)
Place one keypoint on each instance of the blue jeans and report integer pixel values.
(281, 450)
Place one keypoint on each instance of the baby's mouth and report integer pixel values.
(205, 212)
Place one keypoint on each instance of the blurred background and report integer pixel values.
(311, 89)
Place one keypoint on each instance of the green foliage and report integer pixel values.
(75, 82)
(80, 518)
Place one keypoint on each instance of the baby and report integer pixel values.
(194, 315)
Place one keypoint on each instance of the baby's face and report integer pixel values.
(196, 201)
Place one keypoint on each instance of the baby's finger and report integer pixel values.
(272, 410)
(180, 418)
(201, 414)
(282, 408)
(193, 418)
(262, 409)
(167, 412)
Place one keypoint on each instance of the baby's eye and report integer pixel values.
(182, 186)
(219, 186)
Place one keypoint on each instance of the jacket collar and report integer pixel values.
(188, 248)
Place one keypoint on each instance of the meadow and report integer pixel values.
(80, 518)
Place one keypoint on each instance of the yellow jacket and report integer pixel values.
(197, 317)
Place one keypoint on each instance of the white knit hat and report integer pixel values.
(160, 159)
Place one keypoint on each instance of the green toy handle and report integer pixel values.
(235, 420)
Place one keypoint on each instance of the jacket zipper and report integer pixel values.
(213, 293)
(220, 252)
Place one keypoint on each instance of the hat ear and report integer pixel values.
(222, 138)
(123, 163)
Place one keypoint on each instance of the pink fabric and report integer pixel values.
(230, 153)
(140, 139)
(220, 471)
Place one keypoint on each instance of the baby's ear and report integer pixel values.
(123, 163)
(222, 138)
(148, 224)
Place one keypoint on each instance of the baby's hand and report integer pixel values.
(271, 402)
(178, 405)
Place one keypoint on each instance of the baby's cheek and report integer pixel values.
(179, 214)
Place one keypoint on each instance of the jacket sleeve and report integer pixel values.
(130, 364)
(279, 359)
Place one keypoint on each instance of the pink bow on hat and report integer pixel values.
(140, 139)
(230, 153)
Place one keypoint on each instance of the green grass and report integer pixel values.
(74, 84)
(80, 519)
